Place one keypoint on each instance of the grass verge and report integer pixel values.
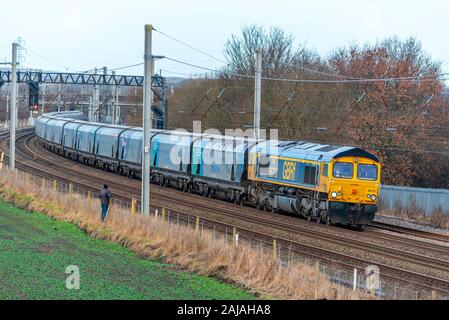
(36, 250)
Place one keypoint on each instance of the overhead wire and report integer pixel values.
(189, 46)
(348, 79)
(289, 99)
(399, 79)
(46, 58)
(128, 67)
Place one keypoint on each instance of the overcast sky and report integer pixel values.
(80, 34)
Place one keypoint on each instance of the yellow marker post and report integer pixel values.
(133, 206)
(43, 183)
(89, 197)
(70, 189)
(55, 186)
(434, 295)
(197, 226)
(234, 235)
(2, 158)
(164, 211)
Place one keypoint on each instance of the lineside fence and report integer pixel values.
(285, 252)
(21, 124)
(420, 200)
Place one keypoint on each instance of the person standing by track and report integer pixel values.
(105, 197)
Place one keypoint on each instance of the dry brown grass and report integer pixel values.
(412, 211)
(439, 218)
(246, 266)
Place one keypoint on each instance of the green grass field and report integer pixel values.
(35, 251)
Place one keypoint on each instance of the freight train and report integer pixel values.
(325, 183)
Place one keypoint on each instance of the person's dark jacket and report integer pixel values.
(105, 196)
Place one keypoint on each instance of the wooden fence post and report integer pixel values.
(317, 278)
(434, 295)
(275, 251)
(373, 289)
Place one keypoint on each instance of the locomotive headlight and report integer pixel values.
(373, 197)
(334, 194)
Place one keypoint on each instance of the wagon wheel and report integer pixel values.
(322, 217)
(328, 220)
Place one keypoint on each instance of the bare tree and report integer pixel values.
(278, 47)
(394, 117)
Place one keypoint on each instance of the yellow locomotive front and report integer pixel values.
(325, 183)
(353, 190)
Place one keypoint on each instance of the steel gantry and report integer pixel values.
(43, 77)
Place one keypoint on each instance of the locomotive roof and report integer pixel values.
(311, 151)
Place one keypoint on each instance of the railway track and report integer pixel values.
(411, 232)
(403, 265)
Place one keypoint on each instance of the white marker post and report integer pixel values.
(258, 94)
(148, 98)
(13, 113)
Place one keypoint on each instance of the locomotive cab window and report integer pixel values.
(343, 170)
(367, 172)
(325, 172)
